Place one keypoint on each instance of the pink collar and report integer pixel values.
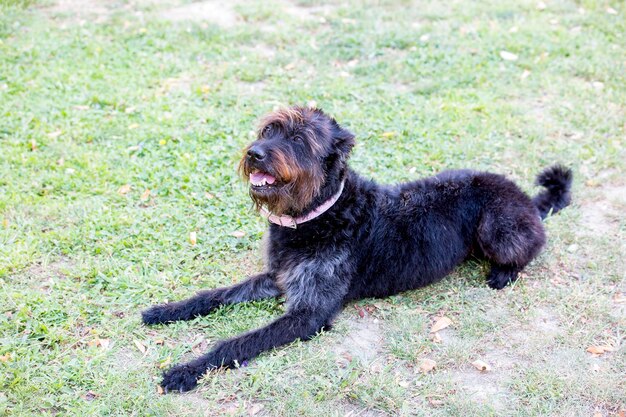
(293, 222)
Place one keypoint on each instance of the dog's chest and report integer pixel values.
(308, 278)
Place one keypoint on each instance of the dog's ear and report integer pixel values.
(344, 139)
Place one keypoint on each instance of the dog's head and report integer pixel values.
(298, 151)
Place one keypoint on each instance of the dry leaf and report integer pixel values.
(434, 402)
(597, 414)
(90, 396)
(142, 348)
(160, 390)
(508, 56)
(133, 126)
(481, 366)
(440, 324)
(436, 338)
(209, 195)
(145, 195)
(611, 10)
(124, 189)
(56, 134)
(619, 298)
(193, 238)
(238, 234)
(427, 365)
(599, 350)
(104, 343)
(5, 223)
(388, 134)
(33, 144)
(5, 357)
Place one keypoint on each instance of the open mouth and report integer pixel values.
(262, 180)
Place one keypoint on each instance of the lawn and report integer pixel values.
(121, 126)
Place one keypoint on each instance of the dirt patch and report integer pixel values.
(483, 387)
(600, 217)
(79, 11)
(362, 340)
(308, 12)
(44, 274)
(220, 13)
(540, 331)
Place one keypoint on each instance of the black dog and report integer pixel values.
(335, 236)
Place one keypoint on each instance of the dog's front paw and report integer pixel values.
(158, 314)
(181, 378)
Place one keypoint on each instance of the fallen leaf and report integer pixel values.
(142, 348)
(145, 195)
(403, 383)
(611, 10)
(124, 189)
(55, 134)
(193, 238)
(5, 357)
(599, 350)
(90, 396)
(238, 233)
(209, 196)
(440, 324)
(160, 390)
(33, 145)
(133, 126)
(434, 402)
(104, 343)
(525, 74)
(508, 56)
(481, 366)
(5, 223)
(436, 338)
(427, 365)
(388, 134)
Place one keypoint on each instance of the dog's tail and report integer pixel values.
(557, 180)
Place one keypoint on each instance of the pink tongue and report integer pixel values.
(257, 177)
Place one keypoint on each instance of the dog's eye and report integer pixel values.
(267, 130)
(298, 138)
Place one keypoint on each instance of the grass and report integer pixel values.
(110, 94)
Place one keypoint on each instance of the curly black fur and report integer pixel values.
(375, 241)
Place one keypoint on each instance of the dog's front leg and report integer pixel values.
(254, 288)
(295, 324)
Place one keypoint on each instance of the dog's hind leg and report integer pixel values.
(510, 236)
(254, 288)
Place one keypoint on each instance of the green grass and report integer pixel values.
(94, 98)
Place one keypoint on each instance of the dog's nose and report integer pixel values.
(257, 153)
